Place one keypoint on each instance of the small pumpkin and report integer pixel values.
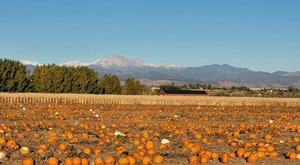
(132, 160)
(76, 161)
(123, 161)
(110, 160)
(252, 158)
(84, 161)
(297, 147)
(204, 159)
(62, 147)
(225, 158)
(28, 161)
(150, 144)
(25, 150)
(53, 161)
(146, 160)
(99, 161)
(68, 161)
(193, 159)
(158, 159)
(240, 152)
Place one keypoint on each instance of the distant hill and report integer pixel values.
(217, 75)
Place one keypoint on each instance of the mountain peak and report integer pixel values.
(114, 60)
(122, 61)
(215, 74)
(75, 63)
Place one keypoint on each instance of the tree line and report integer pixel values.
(53, 78)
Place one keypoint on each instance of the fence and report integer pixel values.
(32, 98)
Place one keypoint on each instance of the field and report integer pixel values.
(148, 129)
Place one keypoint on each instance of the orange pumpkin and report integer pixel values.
(261, 154)
(99, 161)
(109, 160)
(297, 147)
(252, 158)
(27, 161)
(292, 155)
(53, 161)
(123, 161)
(240, 152)
(214, 155)
(193, 159)
(11, 143)
(76, 161)
(204, 159)
(225, 158)
(150, 144)
(62, 146)
(68, 161)
(2, 140)
(158, 159)
(84, 161)
(132, 160)
(85, 135)
(151, 151)
(268, 137)
(274, 154)
(146, 160)
(87, 150)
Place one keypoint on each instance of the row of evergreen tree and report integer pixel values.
(62, 79)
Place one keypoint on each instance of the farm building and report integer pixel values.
(183, 93)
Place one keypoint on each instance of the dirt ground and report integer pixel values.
(32, 125)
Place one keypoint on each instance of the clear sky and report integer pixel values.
(257, 34)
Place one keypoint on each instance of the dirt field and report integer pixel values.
(204, 131)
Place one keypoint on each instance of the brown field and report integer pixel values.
(67, 126)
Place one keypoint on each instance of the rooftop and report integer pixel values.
(185, 92)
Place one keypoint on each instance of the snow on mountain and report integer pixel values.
(75, 63)
(117, 60)
(26, 62)
(121, 61)
(111, 61)
(219, 75)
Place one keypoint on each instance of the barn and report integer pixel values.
(183, 93)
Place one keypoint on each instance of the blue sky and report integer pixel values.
(257, 34)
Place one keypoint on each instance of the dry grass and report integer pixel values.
(144, 100)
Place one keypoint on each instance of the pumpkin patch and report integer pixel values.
(72, 134)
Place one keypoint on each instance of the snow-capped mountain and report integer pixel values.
(111, 61)
(121, 61)
(219, 75)
(75, 63)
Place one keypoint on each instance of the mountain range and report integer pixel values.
(157, 74)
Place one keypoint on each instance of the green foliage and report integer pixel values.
(242, 88)
(293, 89)
(171, 86)
(133, 87)
(14, 77)
(62, 79)
(110, 84)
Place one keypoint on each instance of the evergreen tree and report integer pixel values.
(133, 87)
(63, 79)
(13, 76)
(110, 84)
